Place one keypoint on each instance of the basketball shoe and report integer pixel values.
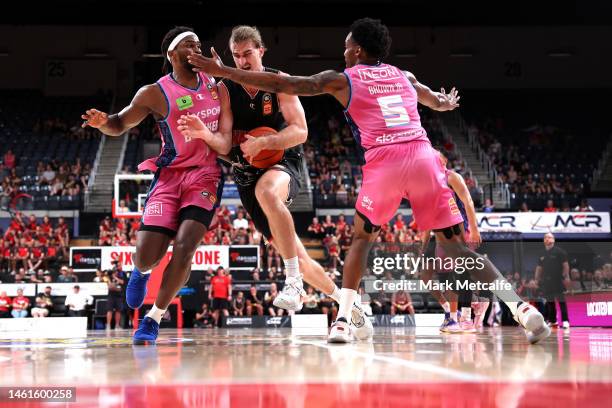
(532, 321)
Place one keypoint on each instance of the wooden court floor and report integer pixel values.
(272, 368)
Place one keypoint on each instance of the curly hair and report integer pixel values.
(171, 35)
(373, 36)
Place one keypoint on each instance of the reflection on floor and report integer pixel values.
(275, 368)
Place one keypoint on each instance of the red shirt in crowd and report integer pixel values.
(9, 160)
(46, 227)
(21, 303)
(220, 286)
(135, 225)
(51, 252)
(37, 252)
(22, 252)
(334, 250)
(399, 225)
(209, 237)
(551, 209)
(340, 225)
(43, 240)
(16, 225)
(5, 302)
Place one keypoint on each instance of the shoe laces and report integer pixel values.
(294, 287)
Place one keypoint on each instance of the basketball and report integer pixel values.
(265, 158)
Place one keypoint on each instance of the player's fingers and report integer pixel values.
(214, 53)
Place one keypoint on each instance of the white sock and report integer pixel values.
(293, 267)
(446, 307)
(156, 314)
(466, 314)
(335, 294)
(347, 298)
(513, 306)
(454, 315)
(144, 272)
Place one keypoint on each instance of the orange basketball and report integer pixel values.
(265, 158)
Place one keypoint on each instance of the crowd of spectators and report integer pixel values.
(538, 163)
(33, 170)
(29, 248)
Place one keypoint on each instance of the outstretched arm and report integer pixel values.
(145, 101)
(330, 82)
(440, 101)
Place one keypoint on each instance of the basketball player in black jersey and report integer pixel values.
(266, 193)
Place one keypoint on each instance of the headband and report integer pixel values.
(178, 39)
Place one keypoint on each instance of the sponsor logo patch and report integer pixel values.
(184, 102)
(366, 202)
(452, 205)
(213, 91)
(267, 104)
(154, 210)
(210, 196)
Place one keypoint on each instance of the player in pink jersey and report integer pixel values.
(380, 103)
(181, 199)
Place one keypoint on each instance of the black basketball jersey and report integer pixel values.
(250, 111)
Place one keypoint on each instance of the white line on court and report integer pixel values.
(430, 368)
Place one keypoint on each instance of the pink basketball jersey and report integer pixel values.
(176, 152)
(382, 107)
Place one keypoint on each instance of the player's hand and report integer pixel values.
(94, 118)
(449, 100)
(251, 146)
(191, 127)
(229, 298)
(474, 239)
(212, 66)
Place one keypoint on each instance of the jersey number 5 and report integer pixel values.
(393, 111)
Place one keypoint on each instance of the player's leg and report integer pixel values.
(480, 307)
(451, 239)
(355, 263)
(272, 192)
(158, 226)
(187, 239)
(434, 208)
(465, 320)
(377, 202)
